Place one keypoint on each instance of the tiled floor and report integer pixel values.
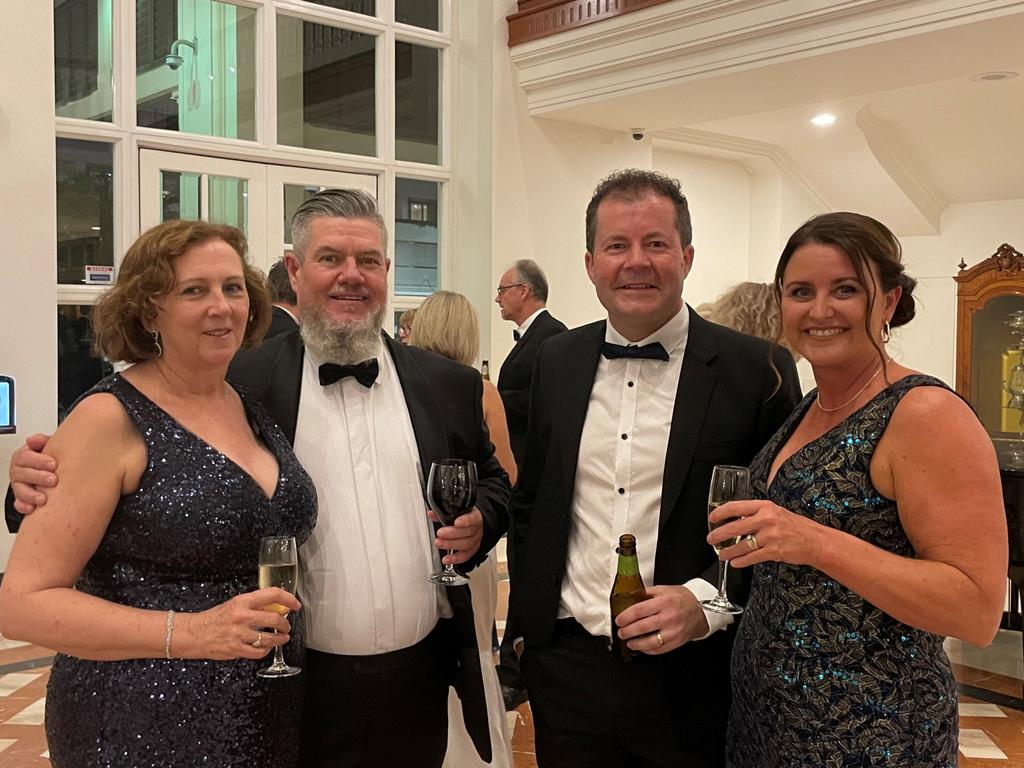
(991, 704)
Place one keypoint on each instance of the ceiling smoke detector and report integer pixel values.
(991, 77)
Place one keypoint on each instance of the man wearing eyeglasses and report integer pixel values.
(522, 295)
(522, 298)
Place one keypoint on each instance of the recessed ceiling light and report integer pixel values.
(825, 118)
(991, 77)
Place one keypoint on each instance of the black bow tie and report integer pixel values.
(653, 351)
(365, 372)
(515, 335)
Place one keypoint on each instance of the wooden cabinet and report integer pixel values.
(989, 340)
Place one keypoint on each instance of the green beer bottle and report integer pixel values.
(628, 589)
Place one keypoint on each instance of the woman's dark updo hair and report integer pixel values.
(864, 240)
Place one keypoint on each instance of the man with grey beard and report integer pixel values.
(367, 417)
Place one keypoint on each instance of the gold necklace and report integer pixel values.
(817, 398)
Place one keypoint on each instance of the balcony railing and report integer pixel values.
(542, 18)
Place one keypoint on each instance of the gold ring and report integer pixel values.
(752, 542)
(258, 642)
(661, 640)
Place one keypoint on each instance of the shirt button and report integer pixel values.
(622, 491)
(629, 383)
(625, 436)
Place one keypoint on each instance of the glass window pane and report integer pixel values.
(85, 208)
(417, 113)
(83, 73)
(182, 195)
(196, 67)
(229, 202)
(416, 236)
(294, 196)
(365, 7)
(77, 368)
(326, 92)
(419, 13)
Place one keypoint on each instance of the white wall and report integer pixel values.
(28, 220)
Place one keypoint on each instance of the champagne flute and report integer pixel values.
(279, 567)
(727, 484)
(451, 492)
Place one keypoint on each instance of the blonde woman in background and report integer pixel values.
(446, 323)
(749, 308)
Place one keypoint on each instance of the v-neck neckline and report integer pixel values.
(251, 420)
(795, 424)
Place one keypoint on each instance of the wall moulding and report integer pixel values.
(672, 42)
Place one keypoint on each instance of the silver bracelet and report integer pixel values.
(170, 633)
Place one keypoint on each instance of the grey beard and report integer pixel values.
(344, 343)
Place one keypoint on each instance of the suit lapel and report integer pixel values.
(697, 382)
(571, 400)
(283, 385)
(424, 412)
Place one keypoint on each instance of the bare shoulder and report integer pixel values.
(933, 408)
(96, 429)
(935, 423)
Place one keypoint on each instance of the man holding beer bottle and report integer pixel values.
(627, 418)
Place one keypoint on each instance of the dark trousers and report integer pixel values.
(592, 709)
(382, 710)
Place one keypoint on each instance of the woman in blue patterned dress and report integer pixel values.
(877, 529)
(141, 566)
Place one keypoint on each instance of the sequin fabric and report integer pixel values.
(187, 539)
(821, 678)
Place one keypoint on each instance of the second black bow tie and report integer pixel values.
(365, 372)
(652, 351)
(515, 335)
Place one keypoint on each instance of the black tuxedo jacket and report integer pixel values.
(280, 322)
(515, 375)
(445, 401)
(728, 404)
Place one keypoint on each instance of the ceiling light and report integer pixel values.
(825, 118)
(991, 77)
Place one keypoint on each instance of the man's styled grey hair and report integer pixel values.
(336, 203)
(531, 275)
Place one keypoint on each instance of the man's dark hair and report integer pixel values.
(633, 184)
(280, 285)
(531, 275)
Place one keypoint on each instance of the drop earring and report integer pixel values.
(886, 332)
(156, 343)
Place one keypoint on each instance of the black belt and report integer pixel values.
(572, 628)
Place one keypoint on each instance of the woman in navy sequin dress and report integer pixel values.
(877, 529)
(168, 478)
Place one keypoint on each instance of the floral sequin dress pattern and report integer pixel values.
(187, 539)
(821, 678)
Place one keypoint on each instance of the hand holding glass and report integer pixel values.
(451, 493)
(727, 484)
(279, 567)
